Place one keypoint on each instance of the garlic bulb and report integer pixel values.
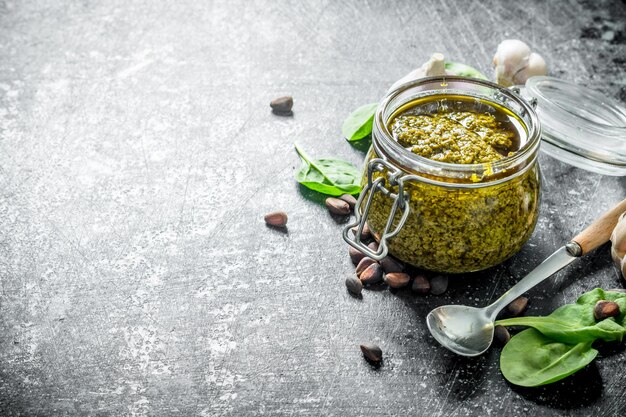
(514, 63)
(618, 245)
(434, 66)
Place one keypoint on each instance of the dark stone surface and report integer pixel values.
(138, 155)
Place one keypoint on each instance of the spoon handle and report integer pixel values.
(598, 232)
(558, 260)
(593, 236)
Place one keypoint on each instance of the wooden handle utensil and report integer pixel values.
(598, 232)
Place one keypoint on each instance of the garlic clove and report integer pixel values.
(618, 244)
(536, 66)
(617, 259)
(511, 57)
(433, 67)
(618, 237)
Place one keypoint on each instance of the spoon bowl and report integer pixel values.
(468, 331)
(464, 330)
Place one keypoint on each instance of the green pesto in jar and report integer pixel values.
(459, 131)
(452, 228)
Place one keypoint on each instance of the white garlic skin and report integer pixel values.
(618, 245)
(536, 66)
(433, 67)
(514, 63)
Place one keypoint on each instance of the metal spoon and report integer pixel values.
(468, 331)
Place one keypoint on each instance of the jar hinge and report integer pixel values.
(394, 178)
(517, 90)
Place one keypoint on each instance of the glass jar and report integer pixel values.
(446, 217)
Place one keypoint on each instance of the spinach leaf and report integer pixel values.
(531, 359)
(575, 323)
(558, 345)
(592, 297)
(569, 331)
(359, 124)
(463, 70)
(328, 176)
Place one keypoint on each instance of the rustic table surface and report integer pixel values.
(138, 155)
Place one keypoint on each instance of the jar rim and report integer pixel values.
(384, 143)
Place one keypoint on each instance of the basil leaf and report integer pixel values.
(328, 176)
(463, 70)
(359, 124)
(531, 359)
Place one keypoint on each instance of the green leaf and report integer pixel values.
(558, 345)
(575, 323)
(359, 124)
(569, 331)
(464, 70)
(328, 176)
(531, 359)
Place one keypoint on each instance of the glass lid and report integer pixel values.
(580, 126)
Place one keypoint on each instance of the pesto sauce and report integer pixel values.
(458, 131)
(455, 229)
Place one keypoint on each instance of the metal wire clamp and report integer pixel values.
(394, 178)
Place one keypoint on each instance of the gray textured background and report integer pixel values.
(138, 155)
